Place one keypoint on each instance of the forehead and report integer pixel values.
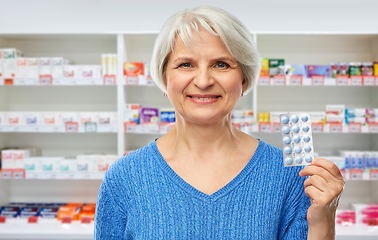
(199, 43)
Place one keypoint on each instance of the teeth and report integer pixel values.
(204, 98)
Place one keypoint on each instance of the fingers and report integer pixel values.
(315, 170)
(318, 182)
(329, 166)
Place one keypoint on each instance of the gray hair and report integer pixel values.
(236, 37)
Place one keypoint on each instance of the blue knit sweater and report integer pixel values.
(141, 197)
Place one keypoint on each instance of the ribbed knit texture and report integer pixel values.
(141, 197)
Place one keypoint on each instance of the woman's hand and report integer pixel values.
(324, 187)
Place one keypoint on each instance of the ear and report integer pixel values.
(244, 85)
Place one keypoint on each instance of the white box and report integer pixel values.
(33, 67)
(4, 118)
(335, 109)
(109, 63)
(362, 212)
(7, 159)
(57, 65)
(44, 66)
(68, 165)
(333, 118)
(68, 117)
(1, 63)
(275, 117)
(16, 118)
(33, 118)
(11, 53)
(9, 56)
(86, 117)
(77, 71)
(21, 68)
(91, 71)
(51, 164)
(14, 158)
(86, 163)
(104, 162)
(51, 118)
(107, 118)
(317, 117)
(132, 113)
(104, 64)
(68, 71)
(33, 164)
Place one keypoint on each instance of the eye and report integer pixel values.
(185, 65)
(222, 65)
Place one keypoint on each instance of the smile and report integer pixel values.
(207, 98)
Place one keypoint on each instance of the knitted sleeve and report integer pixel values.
(110, 220)
(294, 223)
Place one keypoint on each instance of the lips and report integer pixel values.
(204, 98)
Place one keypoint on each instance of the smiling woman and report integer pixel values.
(205, 179)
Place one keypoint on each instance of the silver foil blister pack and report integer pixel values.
(297, 144)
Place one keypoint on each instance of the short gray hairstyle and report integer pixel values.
(236, 37)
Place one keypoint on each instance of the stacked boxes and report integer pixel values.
(335, 113)
(109, 64)
(361, 115)
(9, 62)
(14, 158)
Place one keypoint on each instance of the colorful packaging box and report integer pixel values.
(1, 63)
(167, 115)
(264, 67)
(317, 117)
(33, 68)
(367, 69)
(149, 115)
(366, 214)
(134, 72)
(357, 112)
(51, 118)
(345, 217)
(263, 117)
(335, 109)
(16, 118)
(318, 70)
(375, 69)
(132, 113)
(33, 118)
(355, 69)
(339, 69)
(276, 67)
(297, 70)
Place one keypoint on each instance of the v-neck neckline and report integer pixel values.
(220, 192)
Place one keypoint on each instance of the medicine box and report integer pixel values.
(3, 118)
(168, 115)
(91, 71)
(335, 109)
(33, 118)
(317, 117)
(297, 70)
(65, 117)
(366, 213)
(104, 162)
(149, 115)
(275, 117)
(355, 69)
(276, 67)
(51, 164)
(88, 117)
(107, 118)
(51, 118)
(16, 118)
(22, 68)
(264, 67)
(318, 70)
(68, 71)
(263, 117)
(134, 72)
(45, 66)
(9, 56)
(68, 165)
(33, 68)
(333, 118)
(57, 67)
(33, 164)
(14, 158)
(132, 113)
(86, 163)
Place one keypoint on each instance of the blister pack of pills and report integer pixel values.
(296, 132)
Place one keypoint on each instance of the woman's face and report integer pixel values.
(203, 82)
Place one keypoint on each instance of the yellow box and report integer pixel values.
(263, 117)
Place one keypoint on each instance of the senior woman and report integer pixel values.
(205, 179)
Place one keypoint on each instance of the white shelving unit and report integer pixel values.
(309, 41)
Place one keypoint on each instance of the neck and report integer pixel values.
(207, 141)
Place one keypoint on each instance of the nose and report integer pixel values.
(203, 78)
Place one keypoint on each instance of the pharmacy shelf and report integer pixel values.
(52, 229)
(58, 129)
(263, 128)
(45, 229)
(59, 82)
(282, 80)
(21, 174)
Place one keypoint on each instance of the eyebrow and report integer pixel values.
(186, 59)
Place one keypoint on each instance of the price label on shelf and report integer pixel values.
(86, 175)
(317, 80)
(335, 128)
(374, 174)
(86, 219)
(317, 127)
(368, 80)
(90, 127)
(373, 127)
(276, 127)
(279, 80)
(131, 127)
(296, 80)
(72, 127)
(33, 219)
(45, 80)
(264, 80)
(132, 80)
(18, 174)
(342, 80)
(66, 219)
(355, 127)
(8, 81)
(6, 174)
(15, 128)
(265, 127)
(356, 174)
(109, 79)
(19, 81)
(356, 80)
(3, 219)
